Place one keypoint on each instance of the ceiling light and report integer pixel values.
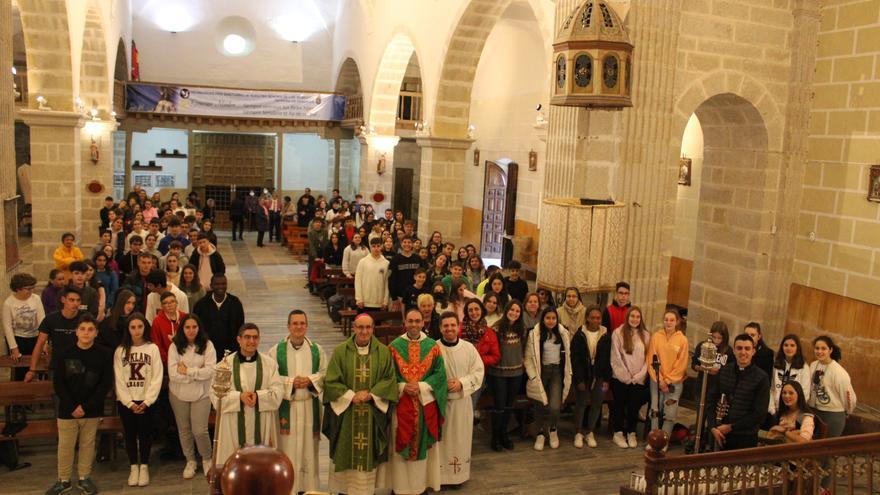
(234, 44)
(174, 18)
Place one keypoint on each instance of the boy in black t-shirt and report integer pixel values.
(412, 292)
(59, 328)
(83, 376)
(517, 288)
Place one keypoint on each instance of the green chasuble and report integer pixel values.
(359, 436)
(419, 426)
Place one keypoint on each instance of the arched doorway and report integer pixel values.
(499, 205)
(731, 269)
(348, 83)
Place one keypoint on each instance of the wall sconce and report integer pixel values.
(79, 106)
(380, 166)
(42, 101)
(422, 128)
(477, 157)
(93, 113)
(533, 161)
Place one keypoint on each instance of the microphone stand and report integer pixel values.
(655, 364)
(657, 439)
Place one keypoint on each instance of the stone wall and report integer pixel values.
(838, 234)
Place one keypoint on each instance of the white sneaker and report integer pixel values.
(190, 470)
(554, 440)
(632, 441)
(619, 440)
(133, 476)
(206, 465)
(578, 441)
(144, 475)
(591, 441)
(539, 443)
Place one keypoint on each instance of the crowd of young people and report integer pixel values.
(151, 302)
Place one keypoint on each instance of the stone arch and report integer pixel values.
(734, 244)
(732, 82)
(94, 85)
(464, 49)
(120, 75)
(386, 87)
(47, 37)
(348, 80)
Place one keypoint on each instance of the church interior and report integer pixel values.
(721, 156)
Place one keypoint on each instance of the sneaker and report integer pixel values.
(144, 475)
(134, 475)
(190, 470)
(87, 487)
(59, 487)
(632, 441)
(539, 443)
(619, 440)
(578, 441)
(206, 465)
(591, 441)
(554, 440)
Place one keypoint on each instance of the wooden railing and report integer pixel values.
(354, 108)
(409, 108)
(849, 465)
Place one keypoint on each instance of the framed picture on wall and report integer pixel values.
(143, 180)
(533, 161)
(685, 166)
(874, 184)
(164, 181)
(477, 157)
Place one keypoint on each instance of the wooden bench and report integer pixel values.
(297, 239)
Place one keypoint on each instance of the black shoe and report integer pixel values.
(87, 487)
(495, 443)
(503, 433)
(59, 487)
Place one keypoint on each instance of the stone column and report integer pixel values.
(57, 181)
(7, 136)
(101, 133)
(375, 147)
(441, 186)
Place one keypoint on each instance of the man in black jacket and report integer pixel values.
(222, 315)
(747, 391)
(236, 216)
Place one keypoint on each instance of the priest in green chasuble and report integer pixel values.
(302, 366)
(249, 414)
(359, 388)
(418, 417)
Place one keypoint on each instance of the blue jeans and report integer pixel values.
(670, 405)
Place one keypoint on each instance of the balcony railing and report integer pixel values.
(849, 465)
(354, 108)
(409, 108)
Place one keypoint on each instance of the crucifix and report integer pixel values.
(360, 441)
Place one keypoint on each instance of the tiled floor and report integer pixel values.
(270, 283)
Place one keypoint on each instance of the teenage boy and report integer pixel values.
(517, 288)
(371, 280)
(456, 272)
(128, 262)
(88, 295)
(481, 288)
(58, 327)
(614, 314)
(403, 267)
(173, 234)
(418, 287)
(81, 382)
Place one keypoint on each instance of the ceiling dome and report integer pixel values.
(593, 21)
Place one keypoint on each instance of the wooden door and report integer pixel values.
(509, 212)
(224, 162)
(403, 192)
(494, 205)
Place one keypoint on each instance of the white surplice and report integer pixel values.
(269, 398)
(463, 363)
(301, 445)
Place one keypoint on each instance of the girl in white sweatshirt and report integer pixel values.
(191, 361)
(137, 365)
(832, 394)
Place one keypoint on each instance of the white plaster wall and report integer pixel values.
(274, 63)
(304, 159)
(688, 198)
(145, 145)
(511, 80)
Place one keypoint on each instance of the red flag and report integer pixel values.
(135, 65)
